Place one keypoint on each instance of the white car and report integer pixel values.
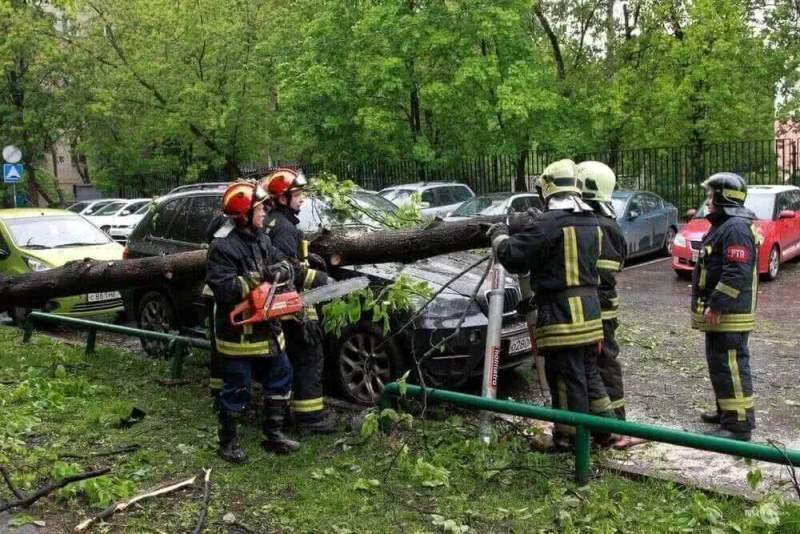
(107, 216)
(89, 207)
(123, 225)
(438, 198)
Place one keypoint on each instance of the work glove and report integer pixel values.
(495, 230)
(281, 272)
(316, 262)
(519, 221)
(254, 279)
(526, 306)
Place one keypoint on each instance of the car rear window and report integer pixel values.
(397, 195)
(762, 205)
(77, 208)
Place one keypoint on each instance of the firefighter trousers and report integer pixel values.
(273, 372)
(610, 369)
(575, 384)
(304, 345)
(729, 369)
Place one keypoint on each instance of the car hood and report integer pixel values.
(695, 229)
(437, 271)
(57, 257)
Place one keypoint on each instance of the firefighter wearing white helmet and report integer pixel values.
(560, 250)
(597, 183)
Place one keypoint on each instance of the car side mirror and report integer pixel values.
(787, 214)
(88, 212)
(633, 214)
(690, 213)
(449, 214)
(125, 212)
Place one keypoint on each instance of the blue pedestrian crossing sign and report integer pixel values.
(12, 173)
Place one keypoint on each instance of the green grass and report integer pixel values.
(432, 477)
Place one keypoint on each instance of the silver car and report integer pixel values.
(438, 198)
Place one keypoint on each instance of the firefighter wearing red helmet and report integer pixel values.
(303, 332)
(239, 258)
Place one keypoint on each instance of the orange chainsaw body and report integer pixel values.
(265, 304)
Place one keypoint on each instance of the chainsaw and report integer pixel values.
(266, 302)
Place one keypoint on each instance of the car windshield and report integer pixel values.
(762, 205)
(368, 209)
(487, 205)
(143, 209)
(136, 207)
(397, 195)
(77, 208)
(111, 209)
(619, 204)
(54, 232)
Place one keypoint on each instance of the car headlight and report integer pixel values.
(680, 241)
(449, 306)
(36, 265)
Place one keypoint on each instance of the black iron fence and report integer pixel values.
(675, 173)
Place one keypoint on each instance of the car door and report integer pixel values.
(656, 216)
(637, 229)
(784, 226)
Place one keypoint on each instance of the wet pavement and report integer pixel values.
(666, 377)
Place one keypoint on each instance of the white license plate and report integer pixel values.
(100, 297)
(519, 344)
(695, 255)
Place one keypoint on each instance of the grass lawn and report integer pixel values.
(58, 406)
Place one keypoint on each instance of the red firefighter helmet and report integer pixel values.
(240, 198)
(284, 181)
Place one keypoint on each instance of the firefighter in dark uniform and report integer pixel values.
(303, 332)
(724, 291)
(239, 258)
(560, 249)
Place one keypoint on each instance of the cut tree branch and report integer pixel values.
(201, 519)
(49, 488)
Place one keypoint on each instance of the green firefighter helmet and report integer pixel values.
(558, 177)
(597, 181)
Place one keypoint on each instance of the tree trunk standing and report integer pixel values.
(520, 176)
(340, 248)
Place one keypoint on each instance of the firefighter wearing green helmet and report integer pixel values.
(560, 250)
(724, 291)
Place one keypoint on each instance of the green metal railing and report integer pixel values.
(584, 423)
(177, 346)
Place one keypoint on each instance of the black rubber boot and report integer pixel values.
(229, 448)
(712, 418)
(322, 425)
(722, 432)
(274, 438)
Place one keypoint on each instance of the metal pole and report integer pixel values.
(14, 193)
(582, 454)
(530, 320)
(491, 356)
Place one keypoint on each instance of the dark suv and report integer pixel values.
(358, 362)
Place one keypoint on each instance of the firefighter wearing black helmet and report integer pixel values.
(724, 290)
(560, 249)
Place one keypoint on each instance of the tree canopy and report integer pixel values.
(193, 87)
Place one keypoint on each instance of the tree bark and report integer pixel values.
(338, 247)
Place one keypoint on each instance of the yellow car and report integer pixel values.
(34, 239)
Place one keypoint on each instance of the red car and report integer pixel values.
(777, 209)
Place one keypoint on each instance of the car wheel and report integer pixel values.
(668, 242)
(360, 366)
(155, 313)
(774, 263)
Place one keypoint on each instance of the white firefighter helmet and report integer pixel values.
(558, 177)
(597, 181)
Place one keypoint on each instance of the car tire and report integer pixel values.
(18, 315)
(156, 313)
(355, 370)
(666, 250)
(773, 264)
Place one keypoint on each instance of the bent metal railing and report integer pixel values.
(584, 423)
(177, 346)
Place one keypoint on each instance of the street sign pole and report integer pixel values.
(12, 155)
(14, 192)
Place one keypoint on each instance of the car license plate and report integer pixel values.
(100, 297)
(695, 255)
(519, 344)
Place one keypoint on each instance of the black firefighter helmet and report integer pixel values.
(728, 192)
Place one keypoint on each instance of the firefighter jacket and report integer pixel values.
(288, 238)
(612, 257)
(231, 261)
(725, 277)
(560, 249)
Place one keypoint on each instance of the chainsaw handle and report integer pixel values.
(239, 310)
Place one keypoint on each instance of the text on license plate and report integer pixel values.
(519, 344)
(106, 295)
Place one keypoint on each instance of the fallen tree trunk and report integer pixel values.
(339, 247)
